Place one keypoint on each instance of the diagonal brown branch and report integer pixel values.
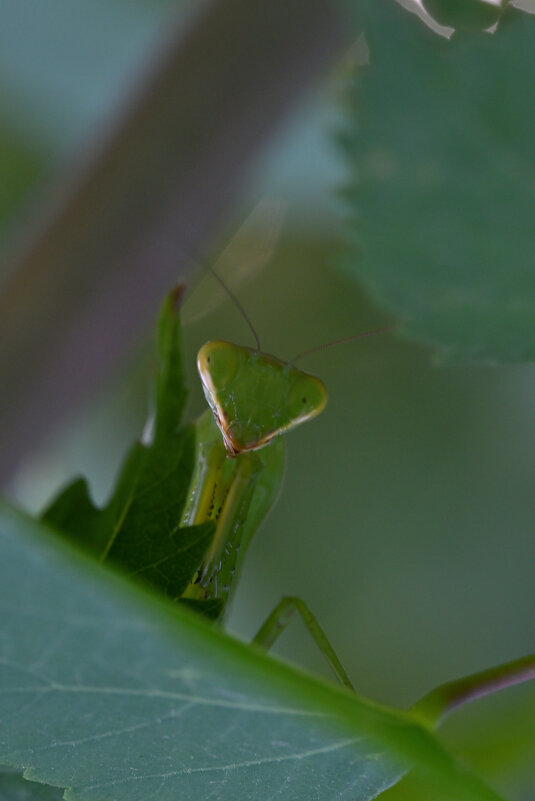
(111, 241)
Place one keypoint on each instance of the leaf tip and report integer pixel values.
(176, 295)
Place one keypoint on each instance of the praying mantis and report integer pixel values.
(254, 399)
(189, 536)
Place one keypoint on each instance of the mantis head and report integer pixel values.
(254, 396)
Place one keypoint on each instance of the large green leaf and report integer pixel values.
(120, 696)
(443, 155)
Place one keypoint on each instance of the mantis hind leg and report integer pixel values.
(279, 618)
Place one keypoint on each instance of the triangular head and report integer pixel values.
(255, 396)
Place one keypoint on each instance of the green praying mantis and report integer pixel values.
(254, 399)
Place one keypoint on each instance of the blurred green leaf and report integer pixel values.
(139, 529)
(14, 788)
(136, 699)
(442, 154)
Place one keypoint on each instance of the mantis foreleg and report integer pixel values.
(234, 493)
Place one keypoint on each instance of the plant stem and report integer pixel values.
(434, 706)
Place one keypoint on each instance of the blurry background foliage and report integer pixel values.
(406, 518)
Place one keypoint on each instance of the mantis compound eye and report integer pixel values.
(306, 396)
(218, 364)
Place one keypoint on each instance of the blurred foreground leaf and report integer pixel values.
(444, 181)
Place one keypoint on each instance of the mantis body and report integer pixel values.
(254, 398)
(240, 455)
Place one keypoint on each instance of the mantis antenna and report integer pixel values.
(206, 263)
(248, 252)
(342, 341)
(236, 302)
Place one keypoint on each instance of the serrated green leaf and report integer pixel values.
(74, 513)
(442, 150)
(120, 696)
(14, 788)
(139, 528)
(146, 538)
(171, 391)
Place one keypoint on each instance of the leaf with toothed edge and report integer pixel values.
(441, 151)
(138, 530)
